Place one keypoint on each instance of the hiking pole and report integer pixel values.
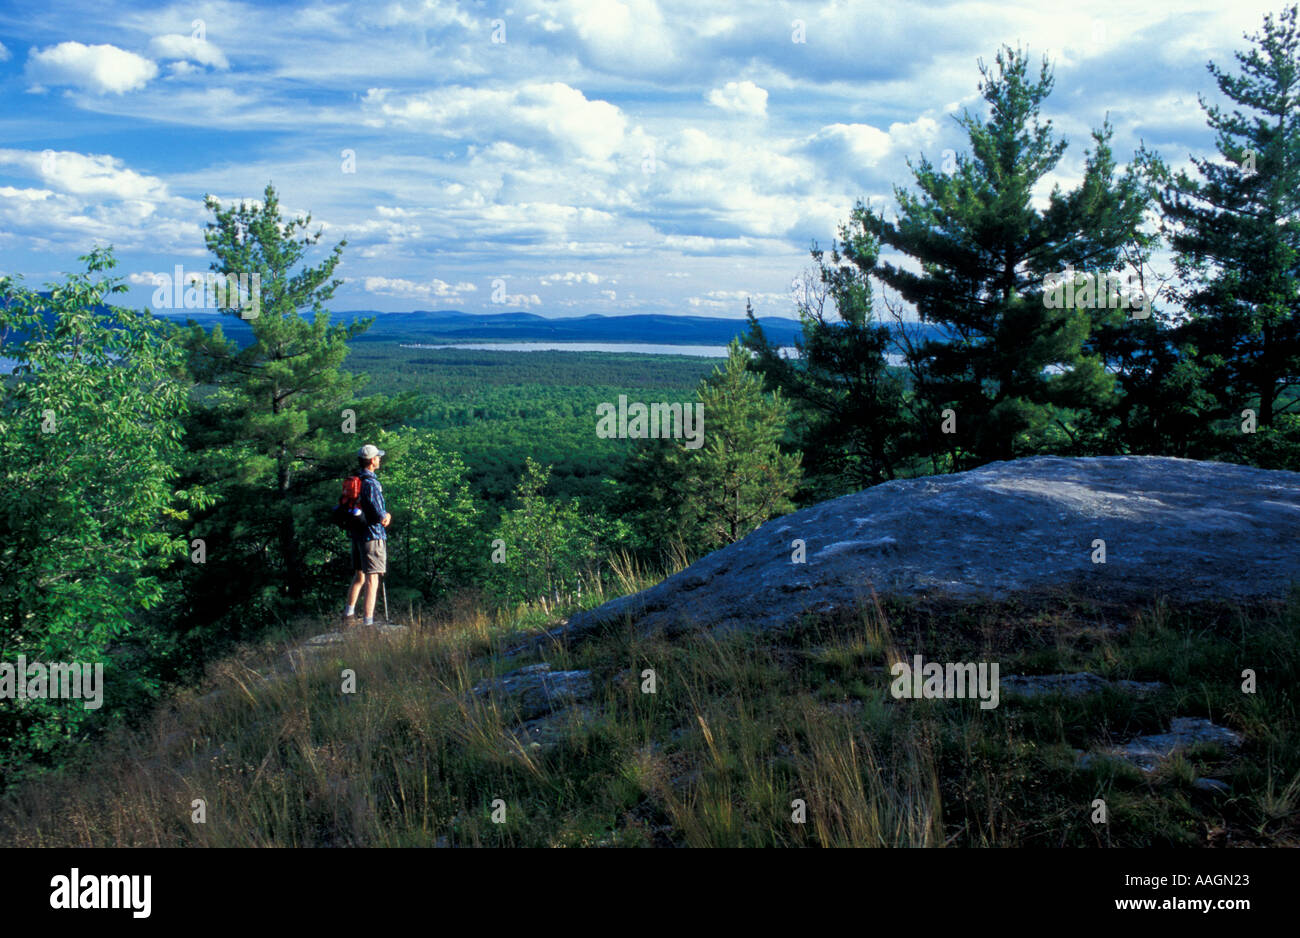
(384, 586)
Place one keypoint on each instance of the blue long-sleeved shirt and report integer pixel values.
(371, 504)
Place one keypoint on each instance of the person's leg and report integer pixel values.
(372, 590)
(375, 564)
(354, 589)
(380, 567)
(358, 578)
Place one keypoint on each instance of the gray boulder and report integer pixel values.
(1078, 684)
(537, 690)
(1213, 785)
(319, 645)
(1177, 528)
(326, 639)
(1149, 752)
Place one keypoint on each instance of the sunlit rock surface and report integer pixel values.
(1177, 528)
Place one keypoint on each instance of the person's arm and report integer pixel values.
(372, 501)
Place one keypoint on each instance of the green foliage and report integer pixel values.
(454, 378)
(90, 430)
(548, 546)
(496, 408)
(269, 440)
(436, 542)
(851, 426)
(739, 478)
(1235, 225)
(653, 497)
(1017, 375)
(712, 496)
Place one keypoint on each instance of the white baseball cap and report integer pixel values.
(369, 451)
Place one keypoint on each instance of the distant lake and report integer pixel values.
(636, 348)
(698, 351)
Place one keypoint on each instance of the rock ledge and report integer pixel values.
(1182, 529)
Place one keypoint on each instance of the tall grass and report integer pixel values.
(783, 739)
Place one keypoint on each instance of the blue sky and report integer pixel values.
(592, 157)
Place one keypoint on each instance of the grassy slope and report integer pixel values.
(739, 728)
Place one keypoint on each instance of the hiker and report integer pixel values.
(369, 542)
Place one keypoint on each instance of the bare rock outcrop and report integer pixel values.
(1149, 752)
(1177, 528)
(1070, 685)
(537, 690)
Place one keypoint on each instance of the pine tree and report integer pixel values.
(686, 501)
(1014, 376)
(274, 433)
(849, 401)
(650, 496)
(739, 478)
(1236, 230)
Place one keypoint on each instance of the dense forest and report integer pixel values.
(497, 408)
(166, 489)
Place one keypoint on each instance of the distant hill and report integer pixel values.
(449, 325)
(454, 326)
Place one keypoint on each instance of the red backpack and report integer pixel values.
(346, 514)
(351, 492)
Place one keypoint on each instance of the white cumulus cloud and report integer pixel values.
(432, 289)
(531, 114)
(94, 175)
(627, 34)
(570, 277)
(861, 143)
(865, 145)
(177, 46)
(103, 69)
(744, 97)
(523, 299)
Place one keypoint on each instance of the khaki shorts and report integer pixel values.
(370, 556)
